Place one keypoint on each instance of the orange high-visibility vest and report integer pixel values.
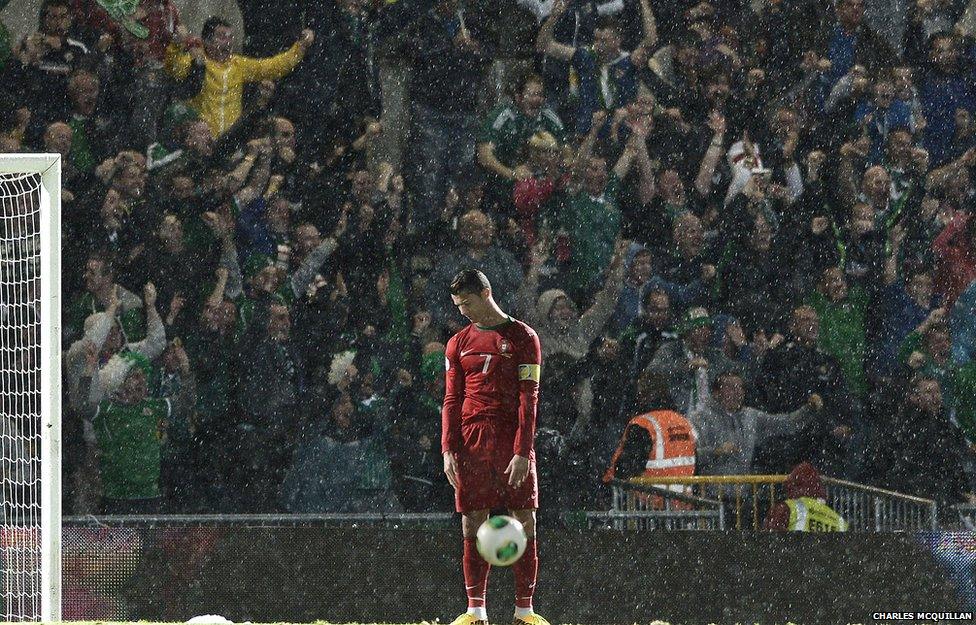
(674, 442)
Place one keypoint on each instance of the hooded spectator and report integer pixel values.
(805, 508)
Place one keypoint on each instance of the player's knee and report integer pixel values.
(471, 521)
(527, 519)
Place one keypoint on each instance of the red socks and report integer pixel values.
(476, 574)
(526, 569)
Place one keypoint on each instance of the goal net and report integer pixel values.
(30, 395)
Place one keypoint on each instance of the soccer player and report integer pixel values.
(488, 432)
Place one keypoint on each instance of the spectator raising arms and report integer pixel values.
(755, 208)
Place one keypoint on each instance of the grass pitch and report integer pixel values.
(328, 623)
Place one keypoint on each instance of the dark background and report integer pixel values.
(377, 575)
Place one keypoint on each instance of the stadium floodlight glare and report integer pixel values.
(30, 387)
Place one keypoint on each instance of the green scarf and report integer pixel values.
(121, 11)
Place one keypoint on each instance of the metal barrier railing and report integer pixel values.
(391, 520)
(966, 515)
(870, 509)
(745, 498)
(748, 498)
(649, 507)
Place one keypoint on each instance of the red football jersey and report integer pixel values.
(492, 374)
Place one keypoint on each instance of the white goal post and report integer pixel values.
(30, 387)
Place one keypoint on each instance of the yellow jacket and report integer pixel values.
(219, 100)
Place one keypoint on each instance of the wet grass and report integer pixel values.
(420, 623)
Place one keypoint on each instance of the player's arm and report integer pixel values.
(451, 410)
(280, 65)
(177, 61)
(545, 44)
(488, 160)
(186, 399)
(529, 368)
(640, 55)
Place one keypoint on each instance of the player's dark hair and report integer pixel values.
(653, 392)
(646, 297)
(941, 35)
(608, 22)
(721, 378)
(47, 4)
(106, 259)
(211, 25)
(914, 382)
(715, 75)
(469, 281)
(524, 79)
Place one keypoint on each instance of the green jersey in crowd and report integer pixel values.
(508, 129)
(130, 439)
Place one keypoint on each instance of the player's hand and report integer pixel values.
(450, 469)
(597, 121)
(114, 300)
(182, 360)
(736, 334)
(404, 378)
(819, 225)
(343, 222)
(176, 305)
(728, 448)
(815, 402)
(541, 251)
(716, 122)
(619, 253)
(149, 295)
(104, 42)
(920, 158)
(181, 34)
(816, 160)
(398, 185)
(936, 317)
(789, 146)
(91, 358)
(916, 360)
(421, 321)
(517, 469)
(383, 285)
(217, 224)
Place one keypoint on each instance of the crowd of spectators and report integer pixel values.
(759, 201)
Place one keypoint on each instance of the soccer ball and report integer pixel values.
(501, 540)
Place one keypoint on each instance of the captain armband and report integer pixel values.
(529, 372)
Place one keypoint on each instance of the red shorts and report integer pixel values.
(481, 462)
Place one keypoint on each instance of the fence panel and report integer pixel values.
(745, 500)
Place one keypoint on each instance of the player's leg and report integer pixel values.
(526, 571)
(522, 502)
(475, 571)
